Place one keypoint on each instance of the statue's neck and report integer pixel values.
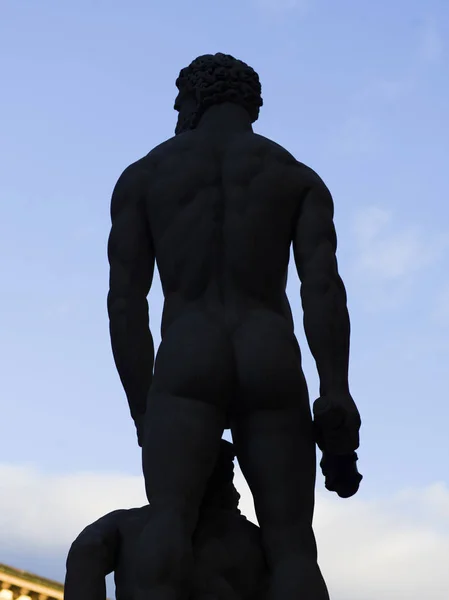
(226, 117)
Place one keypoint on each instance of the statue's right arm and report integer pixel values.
(326, 318)
(323, 295)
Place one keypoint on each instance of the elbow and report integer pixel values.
(126, 306)
(322, 283)
(317, 283)
(116, 303)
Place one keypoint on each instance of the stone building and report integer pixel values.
(16, 584)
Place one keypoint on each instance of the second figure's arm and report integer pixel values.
(131, 260)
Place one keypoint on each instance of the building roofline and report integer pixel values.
(17, 577)
(31, 577)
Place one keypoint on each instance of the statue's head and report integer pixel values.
(213, 79)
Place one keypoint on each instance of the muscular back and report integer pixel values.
(218, 213)
(221, 212)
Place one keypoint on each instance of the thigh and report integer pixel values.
(268, 365)
(186, 410)
(195, 360)
(276, 452)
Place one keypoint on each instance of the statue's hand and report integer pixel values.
(337, 424)
(341, 474)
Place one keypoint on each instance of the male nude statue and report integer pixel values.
(218, 208)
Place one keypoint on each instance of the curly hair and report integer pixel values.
(215, 78)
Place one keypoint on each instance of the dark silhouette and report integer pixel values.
(218, 208)
(228, 557)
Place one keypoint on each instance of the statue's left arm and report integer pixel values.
(131, 260)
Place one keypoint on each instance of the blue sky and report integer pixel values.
(355, 90)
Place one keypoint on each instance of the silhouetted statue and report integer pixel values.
(218, 208)
(228, 556)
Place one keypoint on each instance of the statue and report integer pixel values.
(218, 207)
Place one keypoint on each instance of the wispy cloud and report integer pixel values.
(354, 136)
(387, 252)
(390, 255)
(383, 90)
(389, 548)
(440, 314)
(362, 131)
(430, 43)
(46, 512)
